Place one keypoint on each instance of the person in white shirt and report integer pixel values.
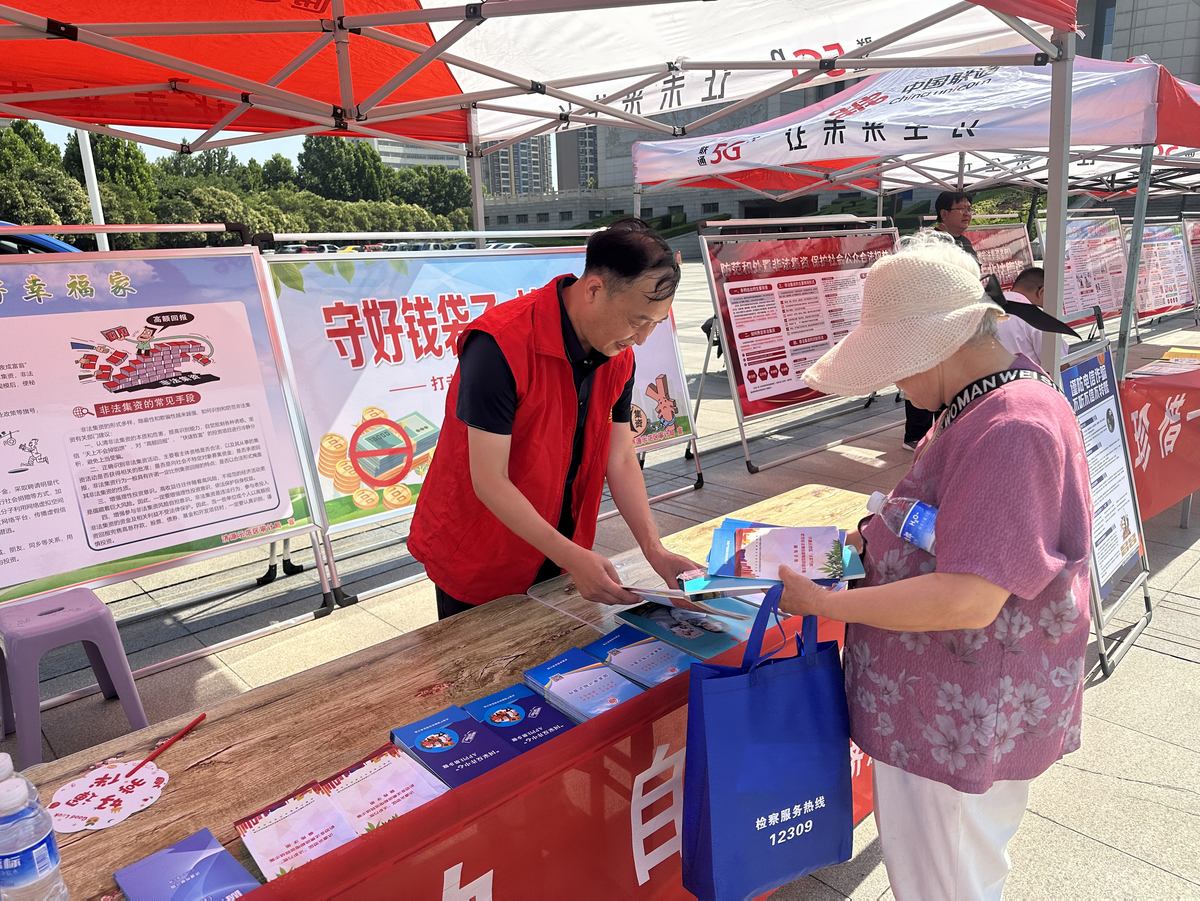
(1018, 336)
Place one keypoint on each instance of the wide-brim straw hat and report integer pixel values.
(919, 306)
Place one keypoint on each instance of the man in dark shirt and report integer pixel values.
(490, 517)
(487, 400)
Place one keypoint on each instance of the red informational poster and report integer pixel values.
(1162, 420)
(594, 813)
(1003, 251)
(785, 301)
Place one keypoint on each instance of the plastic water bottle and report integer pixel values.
(908, 518)
(28, 852)
(7, 772)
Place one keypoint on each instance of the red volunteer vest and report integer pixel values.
(467, 551)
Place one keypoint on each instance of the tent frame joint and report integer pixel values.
(536, 87)
(473, 11)
(64, 30)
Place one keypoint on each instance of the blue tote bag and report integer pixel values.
(767, 793)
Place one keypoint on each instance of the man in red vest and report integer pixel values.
(537, 418)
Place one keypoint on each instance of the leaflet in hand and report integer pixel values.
(646, 661)
(812, 552)
(696, 601)
(520, 716)
(453, 746)
(703, 635)
(579, 686)
(196, 868)
(291, 832)
(380, 788)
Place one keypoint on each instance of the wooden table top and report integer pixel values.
(327, 718)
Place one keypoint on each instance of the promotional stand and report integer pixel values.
(781, 300)
(1119, 567)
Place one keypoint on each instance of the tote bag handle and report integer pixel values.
(807, 639)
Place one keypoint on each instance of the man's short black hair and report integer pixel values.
(629, 249)
(1030, 279)
(946, 200)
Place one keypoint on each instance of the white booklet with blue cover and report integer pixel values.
(579, 685)
(637, 656)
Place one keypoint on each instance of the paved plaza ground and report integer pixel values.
(1119, 818)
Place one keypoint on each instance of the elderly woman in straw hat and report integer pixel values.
(964, 671)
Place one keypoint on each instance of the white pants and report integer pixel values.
(940, 844)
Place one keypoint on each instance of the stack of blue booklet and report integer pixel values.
(197, 868)
(521, 717)
(579, 685)
(453, 746)
(644, 660)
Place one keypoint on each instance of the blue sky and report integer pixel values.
(259, 150)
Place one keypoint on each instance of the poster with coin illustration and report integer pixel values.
(372, 342)
(142, 414)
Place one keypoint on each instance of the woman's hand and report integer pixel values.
(802, 596)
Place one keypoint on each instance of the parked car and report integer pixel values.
(327, 248)
(350, 248)
(463, 245)
(296, 248)
(499, 246)
(33, 244)
(431, 245)
(372, 248)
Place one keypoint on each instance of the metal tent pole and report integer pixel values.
(1129, 302)
(637, 201)
(93, 189)
(475, 162)
(1054, 254)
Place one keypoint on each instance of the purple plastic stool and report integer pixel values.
(30, 629)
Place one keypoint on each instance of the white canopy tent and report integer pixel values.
(383, 69)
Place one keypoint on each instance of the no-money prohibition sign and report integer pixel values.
(355, 454)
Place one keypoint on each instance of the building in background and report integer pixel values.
(399, 155)
(576, 156)
(519, 169)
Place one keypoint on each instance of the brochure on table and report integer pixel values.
(371, 337)
(1164, 273)
(1095, 266)
(782, 301)
(1091, 388)
(142, 415)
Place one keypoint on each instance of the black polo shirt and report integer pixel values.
(487, 394)
(963, 242)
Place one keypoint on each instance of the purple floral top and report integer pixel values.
(972, 707)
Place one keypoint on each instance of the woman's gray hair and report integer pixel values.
(988, 329)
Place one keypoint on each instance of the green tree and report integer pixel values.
(217, 205)
(15, 155)
(337, 169)
(175, 211)
(251, 177)
(117, 162)
(47, 154)
(122, 206)
(21, 204)
(460, 219)
(60, 192)
(278, 171)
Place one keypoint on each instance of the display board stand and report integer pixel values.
(798, 294)
(1090, 385)
(178, 447)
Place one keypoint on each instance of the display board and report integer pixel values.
(1095, 268)
(784, 300)
(1191, 230)
(142, 416)
(1091, 388)
(1003, 251)
(1164, 273)
(371, 340)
